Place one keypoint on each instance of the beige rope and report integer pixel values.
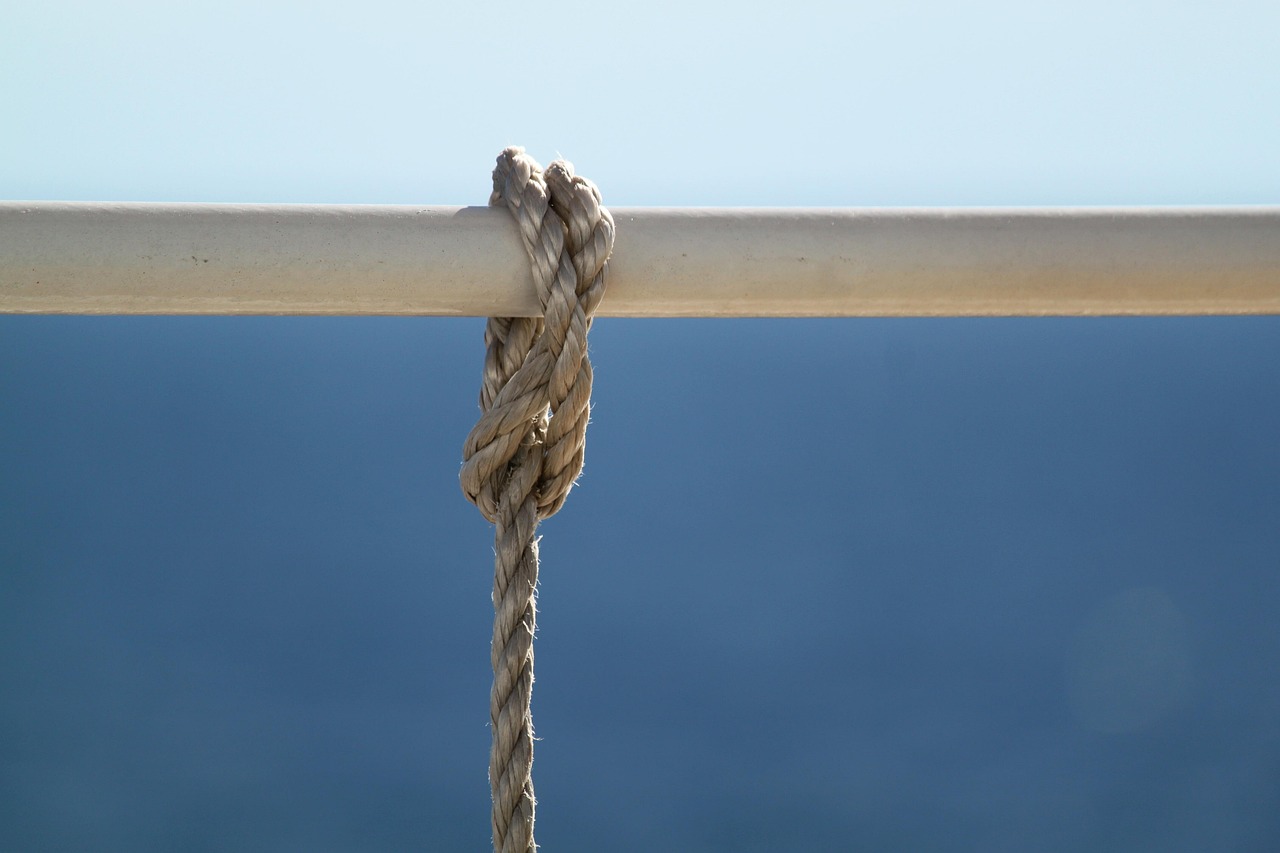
(523, 456)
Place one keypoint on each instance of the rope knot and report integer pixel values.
(537, 377)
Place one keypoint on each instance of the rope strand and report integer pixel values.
(525, 453)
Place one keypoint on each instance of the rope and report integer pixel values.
(523, 456)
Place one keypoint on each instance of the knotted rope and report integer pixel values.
(523, 456)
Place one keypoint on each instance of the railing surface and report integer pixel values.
(138, 258)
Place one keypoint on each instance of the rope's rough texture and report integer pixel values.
(523, 456)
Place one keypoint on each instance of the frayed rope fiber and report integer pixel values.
(523, 456)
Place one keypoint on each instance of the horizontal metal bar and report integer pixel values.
(105, 258)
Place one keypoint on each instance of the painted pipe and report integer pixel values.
(142, 258)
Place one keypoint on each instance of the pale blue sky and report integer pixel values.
(798, 103)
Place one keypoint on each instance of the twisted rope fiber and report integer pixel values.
(524, 454)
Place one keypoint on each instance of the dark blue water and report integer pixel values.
(991, 585)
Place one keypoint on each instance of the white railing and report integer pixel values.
(108, 258)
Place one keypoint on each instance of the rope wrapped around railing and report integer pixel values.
(523, 456)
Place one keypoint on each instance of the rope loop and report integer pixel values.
(537, 376)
